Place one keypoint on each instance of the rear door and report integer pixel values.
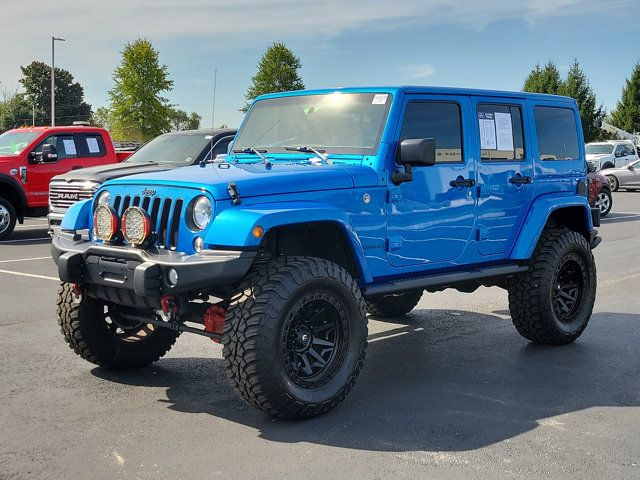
(430, 218)
(93, 150)
(39, 174)
(505, 172)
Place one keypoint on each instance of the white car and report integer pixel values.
(612, 154)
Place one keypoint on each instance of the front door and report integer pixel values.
(505, 172)
(430, 219)
(39, 174)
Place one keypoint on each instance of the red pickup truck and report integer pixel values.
(30, 157)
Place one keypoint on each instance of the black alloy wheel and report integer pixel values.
(569, 287)
(313, 340)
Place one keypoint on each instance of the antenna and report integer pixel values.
(213, 111)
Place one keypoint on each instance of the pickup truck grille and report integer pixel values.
(62, 195)
(165, 216)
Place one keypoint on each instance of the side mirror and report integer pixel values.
(630, 167)
(414, 152)
(49, 153)
(591, 167)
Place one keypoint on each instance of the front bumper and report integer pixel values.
(142, 272)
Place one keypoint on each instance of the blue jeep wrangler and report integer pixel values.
(330, 205)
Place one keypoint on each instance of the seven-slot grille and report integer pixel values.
(63, 195)
(165, 216)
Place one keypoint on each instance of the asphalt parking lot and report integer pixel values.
(450, 391)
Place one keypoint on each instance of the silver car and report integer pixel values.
(627, 177)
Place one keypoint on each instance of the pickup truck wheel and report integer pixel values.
(613, 183)
(552, 302)
(295, 336)
(392, 306)
(604, 202)
(111, 337)
(8, 218)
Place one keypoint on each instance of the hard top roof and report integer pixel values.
(416, 89)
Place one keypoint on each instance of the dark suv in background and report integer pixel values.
(168, 151)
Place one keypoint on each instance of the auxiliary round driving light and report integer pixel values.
(105, 223)
(172, 276)
(198, 244)
(136, 226)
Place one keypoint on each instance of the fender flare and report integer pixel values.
(233, 226)
(14, 185)
(78, 216)
(537, 218)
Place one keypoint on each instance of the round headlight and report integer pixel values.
(136, 226)
(201, 212)
(104, 198)
(105, 223)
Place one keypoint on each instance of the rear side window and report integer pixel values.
(440, 121)
(94, 145)
(557, 133)
(500, 128)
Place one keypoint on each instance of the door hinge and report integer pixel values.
(483, 234)
(394, 243)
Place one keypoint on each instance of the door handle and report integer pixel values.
(520, 180)
(76, 167)
(462, 182)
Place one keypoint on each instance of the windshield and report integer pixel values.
(13, 142)
(336, 123)
(177, 149)
(598, 149)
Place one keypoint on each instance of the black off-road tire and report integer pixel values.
(393, 306)
(85, 330)
(7, 225)
(613, 183)
(531, 294)
(258, 329)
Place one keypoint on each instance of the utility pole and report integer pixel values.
(215, 83)
(53, 78)
(33, 114)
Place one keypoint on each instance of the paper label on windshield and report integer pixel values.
(379, 99)
(92, 144)
(504, 131)
(69, 146)
(487, 131)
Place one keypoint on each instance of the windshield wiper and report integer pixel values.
(259, 153)
(307, 149)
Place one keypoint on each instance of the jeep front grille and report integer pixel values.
(165, 216)
(62, 194)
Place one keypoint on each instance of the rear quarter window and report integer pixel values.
(557, 133)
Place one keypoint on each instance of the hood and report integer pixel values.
(102, 173)
(254, 179)
(598, 156)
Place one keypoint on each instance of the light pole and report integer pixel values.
(53, 78)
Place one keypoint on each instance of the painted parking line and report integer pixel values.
(25, 259)
(25, 240)
(616, 217)
(30, 275)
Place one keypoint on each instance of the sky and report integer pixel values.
(489, 44)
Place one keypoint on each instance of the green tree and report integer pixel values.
(181, 120)
(70, 104)
(15, 110)
(102, 117)
(577, 86)
(277, 72)
(544, 80)
(627, 113)
(139, 111)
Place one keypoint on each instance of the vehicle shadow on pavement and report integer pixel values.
(619, 218)
(441, 380)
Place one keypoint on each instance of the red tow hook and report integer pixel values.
(214, 321)
(168, 304)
